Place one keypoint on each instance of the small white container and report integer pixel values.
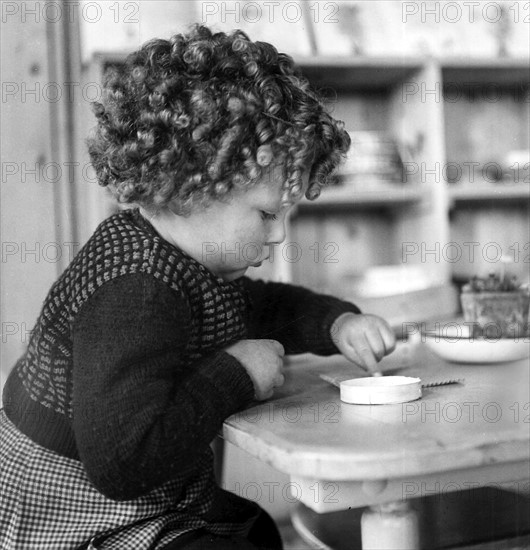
(383, 390)
(393, 526)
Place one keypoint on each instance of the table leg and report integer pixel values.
(391, 526)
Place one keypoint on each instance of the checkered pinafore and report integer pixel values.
(47, 503)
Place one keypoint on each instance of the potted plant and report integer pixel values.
(496, 306)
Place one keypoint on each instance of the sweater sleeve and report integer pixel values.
(140, 414)
(297, 317)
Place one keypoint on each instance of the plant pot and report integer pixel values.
(497, 314)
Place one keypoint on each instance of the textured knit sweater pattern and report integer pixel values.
(125, 368)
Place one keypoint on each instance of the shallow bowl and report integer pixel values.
(455, 344)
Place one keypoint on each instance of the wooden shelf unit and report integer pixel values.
(412, 100)
(370, 225)
(487, 115)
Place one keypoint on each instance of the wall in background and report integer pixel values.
(338, 28)
(32, 242)
(124, 26)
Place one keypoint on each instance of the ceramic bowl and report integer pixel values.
(457, 345)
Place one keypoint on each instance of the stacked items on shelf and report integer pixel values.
(373, 173)
(374, 162)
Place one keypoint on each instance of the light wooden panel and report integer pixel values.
(417, 119)
(32, 248)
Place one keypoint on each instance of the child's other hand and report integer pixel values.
(363, 339)
(263, 360)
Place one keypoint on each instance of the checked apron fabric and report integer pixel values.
(49, 504)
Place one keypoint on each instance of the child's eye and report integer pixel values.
(268, 216)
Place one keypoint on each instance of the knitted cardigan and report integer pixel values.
(125, 369)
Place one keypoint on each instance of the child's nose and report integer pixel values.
(277, 232)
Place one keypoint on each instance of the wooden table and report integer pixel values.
(338, 455)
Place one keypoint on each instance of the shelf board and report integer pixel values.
(482, 192)
(352, 197)
(380, 72)
(500, 71)
(359, 73)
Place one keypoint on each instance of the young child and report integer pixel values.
(153, 336)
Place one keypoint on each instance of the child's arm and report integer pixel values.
(140, 414)
(295, 316)
(304, 321)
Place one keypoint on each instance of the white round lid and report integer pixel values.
(380, 390)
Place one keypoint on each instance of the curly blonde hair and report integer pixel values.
(184, 121)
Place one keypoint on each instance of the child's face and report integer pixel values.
(228, 238)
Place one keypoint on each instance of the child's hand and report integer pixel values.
(363, 339)
(263, 360)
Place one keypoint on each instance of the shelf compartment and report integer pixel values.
(486, 117)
